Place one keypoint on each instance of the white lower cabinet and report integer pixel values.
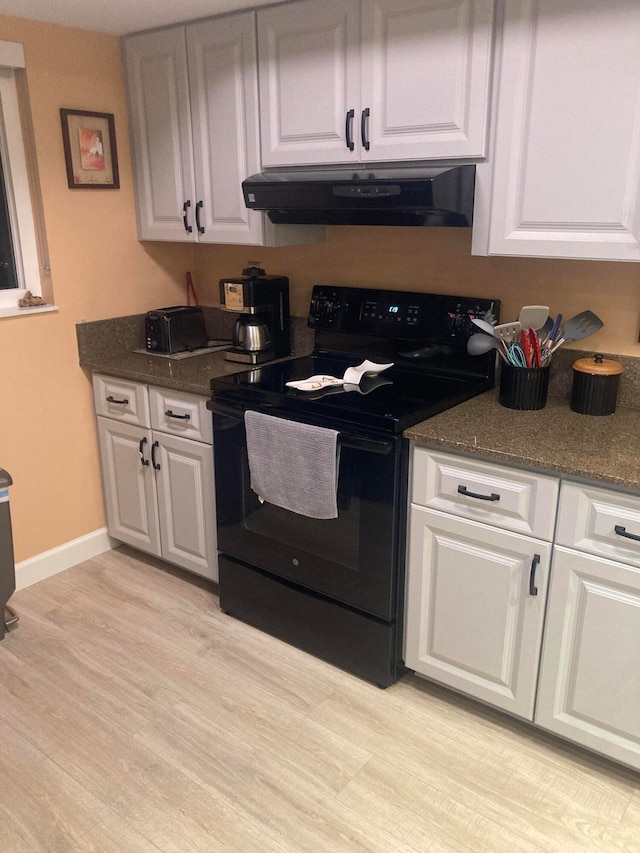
(476, 582)
(590, 676)
(476, 597)
(566, 658)
(158, 485)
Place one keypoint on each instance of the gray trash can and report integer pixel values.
(7, 569)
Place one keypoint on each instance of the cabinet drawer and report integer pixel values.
(121, 400)
(181, 414)
(481, 491)
(599, 521)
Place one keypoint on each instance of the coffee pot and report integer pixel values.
(251, 333)
(261, 331)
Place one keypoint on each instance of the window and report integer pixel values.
(20, 263)
(8, 274)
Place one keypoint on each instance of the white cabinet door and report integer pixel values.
(347, 81)
(184, 474)
(475, 608)
(566, 159)
(590, 677)
(129, 484)
(425, 78)
(309, 70)
(223, 79)
(158, 84)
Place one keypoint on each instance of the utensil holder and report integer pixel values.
(523, 388)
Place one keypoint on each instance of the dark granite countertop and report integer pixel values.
(553, 439)
(192, 375)
(109, 347)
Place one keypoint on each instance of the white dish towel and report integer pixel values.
(293, 465)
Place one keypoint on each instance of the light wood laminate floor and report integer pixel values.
(135, 716)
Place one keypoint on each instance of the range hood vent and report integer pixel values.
(417, 196)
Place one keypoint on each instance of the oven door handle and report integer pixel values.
(370, 445)
(356, 442)
(224, 409)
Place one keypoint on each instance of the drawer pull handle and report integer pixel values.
(462, 490)
(143, 441)
(122, 402)
(533, 589)
(155, 464)
(622, 531)
(171, 414)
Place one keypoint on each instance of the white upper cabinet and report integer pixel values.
(158, 82)
(223, 81)
(566, 155)
(367, 80)
(193, 95)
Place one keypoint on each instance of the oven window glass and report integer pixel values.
(351, 558)
(336, 540)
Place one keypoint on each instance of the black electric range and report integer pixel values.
(335, 587)
(423, 335)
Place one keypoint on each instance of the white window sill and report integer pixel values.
(23, 312)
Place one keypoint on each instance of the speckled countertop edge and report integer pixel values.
(553, 439)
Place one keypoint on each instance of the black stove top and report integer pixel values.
(424, 335)
(391, 401)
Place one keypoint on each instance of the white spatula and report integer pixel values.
(533, 316)
(508, 332)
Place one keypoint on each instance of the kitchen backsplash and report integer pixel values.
(125, 334)
(439, 260)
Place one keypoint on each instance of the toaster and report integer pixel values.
(179, 328)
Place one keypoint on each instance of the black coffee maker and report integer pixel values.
(261, 331)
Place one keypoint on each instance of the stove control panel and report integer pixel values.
(398, 314)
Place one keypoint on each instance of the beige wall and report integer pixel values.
(439, 261)
(47, 437)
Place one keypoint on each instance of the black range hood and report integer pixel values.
(429, 195)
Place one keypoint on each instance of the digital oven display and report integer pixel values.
(390, 313)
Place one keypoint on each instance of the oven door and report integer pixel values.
(353, 558)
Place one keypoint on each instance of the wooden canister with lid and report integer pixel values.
(595, 385)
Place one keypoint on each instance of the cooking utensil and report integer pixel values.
(536, 352)
(526, 348)
(555, 329)
(550, 351)
(479, 344)
(544, 330)
(508, 332)
(533, 316)
(581, 326)
(516, 356)
(487, 328)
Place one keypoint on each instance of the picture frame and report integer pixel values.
(90, 152)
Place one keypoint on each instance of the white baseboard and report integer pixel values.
(63, 557)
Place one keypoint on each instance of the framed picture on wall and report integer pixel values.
(90, 150)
